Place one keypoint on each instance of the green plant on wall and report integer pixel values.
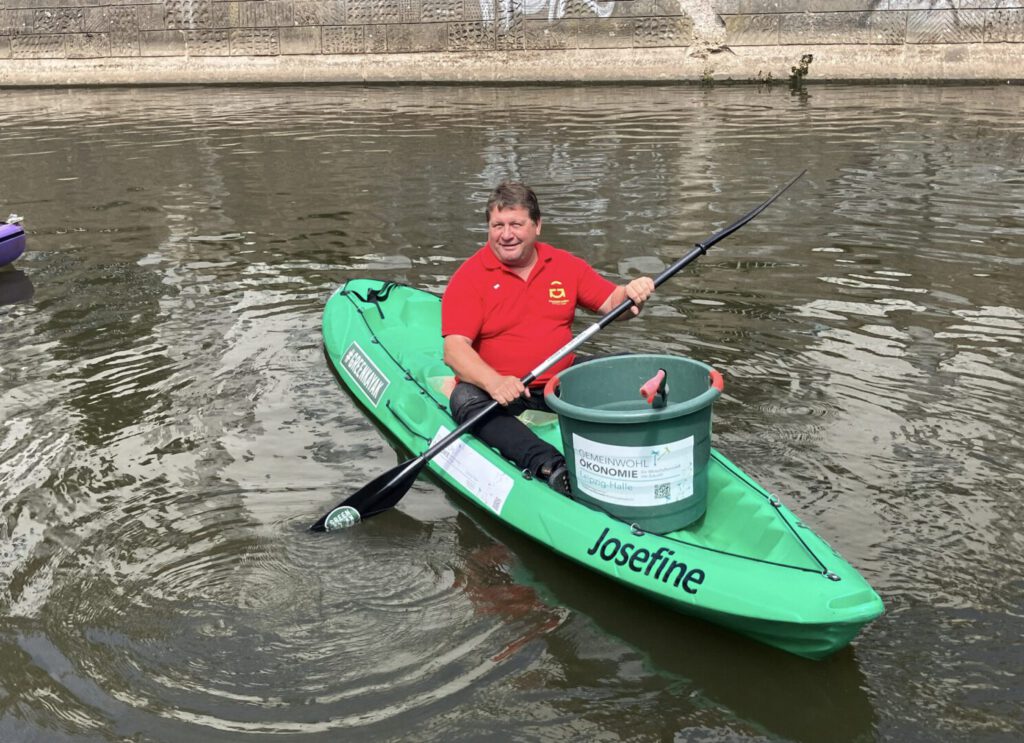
(799, 72)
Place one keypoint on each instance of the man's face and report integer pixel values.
(512, 235)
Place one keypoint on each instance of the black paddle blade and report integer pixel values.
(375, 497)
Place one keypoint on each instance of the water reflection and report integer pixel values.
(15, 287)
(168, 426)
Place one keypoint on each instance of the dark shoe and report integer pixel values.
(557, 477)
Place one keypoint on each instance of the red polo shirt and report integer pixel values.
(516, 324)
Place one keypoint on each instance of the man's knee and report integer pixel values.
(466, 399)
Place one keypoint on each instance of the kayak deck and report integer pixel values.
(748, 563)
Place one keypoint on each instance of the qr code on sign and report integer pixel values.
(663, 491)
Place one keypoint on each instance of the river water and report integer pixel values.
(169, 428)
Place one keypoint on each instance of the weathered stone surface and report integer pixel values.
(300, 40)
(15, 22)
(124, 43)
(752, 30)
(82, 46)
(320, 12)
(260, 13)
(162, 43)
(417, 37)
(556, 35)
(253, 42)
(843, 28)
(654, 32)
(190, 15)
(650, 8)
(58, 20)
(444, 10)
(38, 46)
(471, 36)
(5, 47)
(208, 43)
(1006, 25)
(380, 11)
(344, 40)
(945, 26)
(607, 33)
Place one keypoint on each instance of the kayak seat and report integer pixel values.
(422, 311)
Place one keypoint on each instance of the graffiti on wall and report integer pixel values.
(556, 9)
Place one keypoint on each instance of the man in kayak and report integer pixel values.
(508, 308)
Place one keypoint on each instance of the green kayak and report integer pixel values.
(748, 564)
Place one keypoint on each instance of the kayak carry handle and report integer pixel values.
(717, 381)
(653, 387)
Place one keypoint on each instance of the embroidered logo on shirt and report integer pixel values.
(556, 293)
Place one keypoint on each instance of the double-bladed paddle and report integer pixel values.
(386, 490)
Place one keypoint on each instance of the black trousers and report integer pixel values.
(502, 430)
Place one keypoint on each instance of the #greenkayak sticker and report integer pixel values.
(639, 476)
(365, 373)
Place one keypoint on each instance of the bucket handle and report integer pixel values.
(716, 380)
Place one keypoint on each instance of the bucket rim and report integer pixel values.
(672, 410)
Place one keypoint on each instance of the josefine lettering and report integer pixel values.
(657, 564)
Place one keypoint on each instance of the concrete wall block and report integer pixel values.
(192, 15)
(38, 46)
(208, 43)
(124, 44)
(5, 47)
(260, 14)
(122, 20)
(162, 43)
(925, 4)
(344, 39)
(254, 42)
(15, 22)
(757, 7)
(381, 11)
(471, 36)
(151, 18)
(443, 10)
(416, 37)
(605, 33)
(300, 40)
(376, 39)
(649, 8)
(88, 46)
(991, 4)
(654, 32)
(320, 12)
(97, 19)
(1006, 25)
(575, 9)
(945, 26)
(510, 24)
(843, 28)
(751, 30)
(58, 20)
(543, 34)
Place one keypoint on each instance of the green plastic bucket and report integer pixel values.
(643, 462)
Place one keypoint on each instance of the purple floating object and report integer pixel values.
(12, 243)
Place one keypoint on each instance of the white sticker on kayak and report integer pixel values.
(371, 380)
(472, 470)
(634, 475)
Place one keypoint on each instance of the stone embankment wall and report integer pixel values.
(61, 42)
